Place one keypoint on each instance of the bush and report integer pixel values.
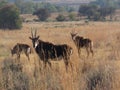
(60, 18)
(72, 16)
(10, 18)
(102, 76)
(2, 3)
(42, 14)
(94, 12)
(13, 78)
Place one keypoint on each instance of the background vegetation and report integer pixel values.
(10, 17)
(98, 10)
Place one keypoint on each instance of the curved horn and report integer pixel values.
(35, 32)
(32, 32)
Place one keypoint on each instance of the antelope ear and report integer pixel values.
(76, 33)
(30, 38)
(38, 37)
(18, 43)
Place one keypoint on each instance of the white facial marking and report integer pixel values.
(36, 44)
(74, 37)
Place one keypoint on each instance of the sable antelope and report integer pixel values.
(81, 42)
(48, 51)
(19, 48)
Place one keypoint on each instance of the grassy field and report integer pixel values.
(101, 72)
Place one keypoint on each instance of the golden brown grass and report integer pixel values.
(100, 72)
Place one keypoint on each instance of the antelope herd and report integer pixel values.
(48, 52)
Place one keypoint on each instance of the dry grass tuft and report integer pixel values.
(12, 76)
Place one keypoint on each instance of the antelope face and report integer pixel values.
(34, 41)
(12, 52)
(34, 38)
(73, 35)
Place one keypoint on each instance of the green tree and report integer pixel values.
(42, 14)
(25, 7)
(71, 9)
(105, 3)
(50, 7)
(3, 3)
(19, 4)
(9, 17)
(94, 12)
(105, 11)
(88, 10)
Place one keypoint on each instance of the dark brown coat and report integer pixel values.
(81, 42)
(19, 48)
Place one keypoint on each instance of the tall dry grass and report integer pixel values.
(100, 72)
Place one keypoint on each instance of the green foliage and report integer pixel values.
(9, 17)
(88, 10)
(3, 3)
(60, 17)
(106, 3)
(25, 7)
(106, 11)
(71, 9)
(42, 14)
(106, 8)
(94, 12)
(50, 7)
(71, 16)
(30, 7)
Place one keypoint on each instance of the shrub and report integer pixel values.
(10, 18)
(71, 16)
(13, 76)
(102, 76)
(94, 12)
(60, 17)
(42, 14)
(2, 3)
